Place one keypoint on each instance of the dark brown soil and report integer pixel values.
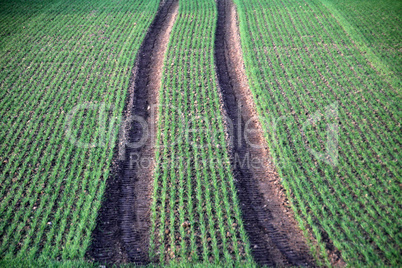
(122, 231)
(275, 238)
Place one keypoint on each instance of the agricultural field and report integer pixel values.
(375, 27)
(332, 125)
(61, 62)
(200, 133)
(195, 213)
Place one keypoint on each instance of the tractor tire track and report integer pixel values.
(122, 231)
(275, 238)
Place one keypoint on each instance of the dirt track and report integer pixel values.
(122, 232)
(275, 237)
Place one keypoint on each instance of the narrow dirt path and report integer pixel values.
(122, 232)
(275, 238)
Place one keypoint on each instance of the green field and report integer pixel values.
(55, 56)
(325, 76)
(375, 27)
(193, 181)
(303, 65)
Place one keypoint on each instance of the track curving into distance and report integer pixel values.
(274, 235)
(122, 231)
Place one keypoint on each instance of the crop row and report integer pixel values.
(195, 213)
(377, 24)
(61, 77)
(331, 123)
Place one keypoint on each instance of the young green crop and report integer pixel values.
(195, 212)
(302, 65)
(57, 56)
(376, 29)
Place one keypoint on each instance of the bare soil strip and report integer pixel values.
(275, 238)
(122, 232)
